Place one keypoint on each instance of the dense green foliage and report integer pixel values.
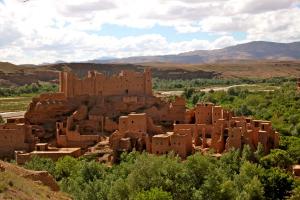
(34, 88)
(164, 84)
(236, 175)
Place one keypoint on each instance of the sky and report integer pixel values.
(40, 31)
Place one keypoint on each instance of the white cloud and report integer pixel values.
(258, 6)
(81, 46)
(224, 24)
(49, 30)
(281, 26)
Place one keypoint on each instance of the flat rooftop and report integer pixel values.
(165, 135)
(57, 150)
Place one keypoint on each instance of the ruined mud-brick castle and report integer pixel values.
(121, 113)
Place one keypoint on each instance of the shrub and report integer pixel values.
(153, 194)
(41, 164)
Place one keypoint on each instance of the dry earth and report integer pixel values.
(19, 183)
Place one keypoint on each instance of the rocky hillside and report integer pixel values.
(19, 183)
(16, 75)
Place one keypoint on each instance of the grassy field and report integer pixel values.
(13, 104)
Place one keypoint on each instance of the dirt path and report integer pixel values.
(215, 88)
(13, 98)
(224, 88)
(7, 115)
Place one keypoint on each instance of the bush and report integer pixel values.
(41, 164)
(277, 158)
(65, 167)
(34, 88)
(153, 194)
(295, 194)
(277, 184)
(188, 92)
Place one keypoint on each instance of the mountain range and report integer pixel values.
(257, 50)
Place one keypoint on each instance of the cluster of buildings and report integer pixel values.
(122, 110)
(205, 127)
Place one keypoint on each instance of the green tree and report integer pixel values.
(195, 99)
(295, 194)
(153, 194)
(65, 167)
(246, 154)
(277, 158)
(247, 184)
(38, 163)
(260, 152)
(216, 186)
(292, 145)
(277, 183)
(197, 167)
(90, 171)
(188, 92)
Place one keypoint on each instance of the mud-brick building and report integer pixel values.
(97, 84)
(15, 137)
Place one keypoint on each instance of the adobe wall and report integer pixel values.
(218, 140)
(182, 142)
(54, 96)
(69, 135)
(217, 113)
(161, 144)
(133, 123)
(192, 127)
(98, 84)
(234, 139)
(203, 113)
(22, 158)
(15, 137)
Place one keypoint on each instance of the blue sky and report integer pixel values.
(76, 30)
(166, 31)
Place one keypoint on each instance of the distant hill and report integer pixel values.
(258, 50)
(255, 59)
(16, 75)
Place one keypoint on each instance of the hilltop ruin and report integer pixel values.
(122, 111)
